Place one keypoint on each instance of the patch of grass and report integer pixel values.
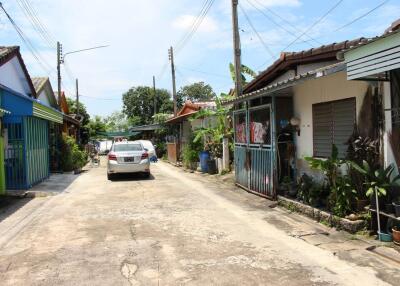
(292, 208)
(325, 223)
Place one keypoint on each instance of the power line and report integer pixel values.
(31, 15)
(362, 16)
(42, 25)
(204, 72)
(309, 28)
(196, 24)
(192, 30)
(352, 21)
(182, 76)
(46, 67)
(282, 19)
(315, 23)
(255, 31)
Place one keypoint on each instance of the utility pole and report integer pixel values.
(59, 56)
(77, 97)
(171, 58)
(236, 47)
(155, 95)
(77, 112)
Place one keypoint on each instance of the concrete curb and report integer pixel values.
(321, 216)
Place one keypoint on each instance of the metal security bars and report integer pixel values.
(254, 149)
(26, 152)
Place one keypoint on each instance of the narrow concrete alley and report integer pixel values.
(175, 228)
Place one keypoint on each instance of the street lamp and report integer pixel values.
(60, 60)
(83, 50)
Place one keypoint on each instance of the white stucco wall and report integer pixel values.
(301, 69)
(43, 98)
(387, 150)
(13, 77)
(285, 76)
(329, 88)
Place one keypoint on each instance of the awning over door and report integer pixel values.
(378, 56)
(47, 113)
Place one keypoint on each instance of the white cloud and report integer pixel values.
(185, 22)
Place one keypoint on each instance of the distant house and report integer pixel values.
(299, 106)
(70, 122)
(183, 127)
(26, 126)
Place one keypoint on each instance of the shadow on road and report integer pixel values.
(131, 177)
(11, 204)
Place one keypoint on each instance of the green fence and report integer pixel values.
(36, 149)
(27, 153)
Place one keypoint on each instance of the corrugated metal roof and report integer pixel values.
(289, 60)
(3, 111)
(288, 82)
(38, 83)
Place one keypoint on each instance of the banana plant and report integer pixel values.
(379, 180)
(215, 132)
(245, 70)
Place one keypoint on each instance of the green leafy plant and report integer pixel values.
(341, 191)
(312, 192)
(189, 156)
(329, 166)
(379, 180)
(72, 157)
(341, 196)
(213, 134)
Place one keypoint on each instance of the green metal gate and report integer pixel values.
(26, 153)
(254, 150)
(14, 157)
(37, 149)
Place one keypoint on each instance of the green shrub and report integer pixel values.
(72, 157)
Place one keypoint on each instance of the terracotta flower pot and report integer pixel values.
(396, 235)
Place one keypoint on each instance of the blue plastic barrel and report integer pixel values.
(204, 157)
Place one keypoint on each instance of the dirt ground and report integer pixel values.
(175, 228)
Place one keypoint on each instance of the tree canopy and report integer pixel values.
(82, 110)
(138, 103)
(118, 121)
(95, 125)
(198, 91)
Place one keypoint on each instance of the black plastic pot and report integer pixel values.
(212, 167)
(396, 209)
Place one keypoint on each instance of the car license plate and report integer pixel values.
(129, 159)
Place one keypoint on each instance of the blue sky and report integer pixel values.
(140, 32)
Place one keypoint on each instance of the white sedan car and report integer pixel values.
(148, 146)
(128, 157)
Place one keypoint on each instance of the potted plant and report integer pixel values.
(396, 234)
(379, 181)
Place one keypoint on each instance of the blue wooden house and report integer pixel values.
(25, 129)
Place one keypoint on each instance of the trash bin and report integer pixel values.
(204, 157)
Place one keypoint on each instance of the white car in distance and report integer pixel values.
(128, 157)
(149, 147)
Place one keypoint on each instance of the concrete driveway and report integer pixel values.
(175, 229)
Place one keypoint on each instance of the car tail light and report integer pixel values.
(112, 157)
(145, 155)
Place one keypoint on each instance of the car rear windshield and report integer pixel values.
(127, 147)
